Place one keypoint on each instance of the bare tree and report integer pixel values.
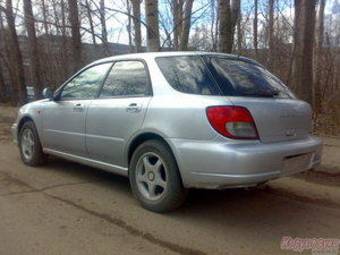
(302, 76)
(89, 16)
(152, 35)
(2, 80)
(75, 31)
(214, 26)
(228, 13)
(33, 49)
(102, 20)
(128, 27)
(17, 68)
(63, 20)
(177, 11)
(44, 13)
(271, 32)
(239, 33)
(255, 26)
(186, 25)
(137, 24)
(2, 85)
(319, 35)
(64, 43)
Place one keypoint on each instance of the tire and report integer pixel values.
(35, 157)
(163, 190)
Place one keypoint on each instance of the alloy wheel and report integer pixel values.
(27, 143)
(151, 176)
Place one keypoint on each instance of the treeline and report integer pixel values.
(295, 46)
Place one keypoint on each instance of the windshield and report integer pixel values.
(240, 78)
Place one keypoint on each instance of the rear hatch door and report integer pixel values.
(278, 119)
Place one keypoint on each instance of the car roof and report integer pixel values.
(148, 55)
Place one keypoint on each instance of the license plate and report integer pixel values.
(296, 164)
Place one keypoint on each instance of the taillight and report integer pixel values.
(232, 121)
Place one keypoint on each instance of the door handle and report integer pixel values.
(133, 107)
(78, 107)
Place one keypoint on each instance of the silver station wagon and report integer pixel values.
(172, 121)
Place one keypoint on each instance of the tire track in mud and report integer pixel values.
(266, 190)
(106, 217)
(321, 177)
(132, 230)
(281, 192)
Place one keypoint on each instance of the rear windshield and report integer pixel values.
(188, 74)
(241, 78)
(220, 76)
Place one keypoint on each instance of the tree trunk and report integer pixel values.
(271, 33)
(186, 25)
(239, 34)
(2, 84)
(33, 49)
(65, 53)
(18, 77)
(76, 38)
(43, 5)
(225, 42)
(137, 24)
(302, 67)
(2, 80)
(255, 29)
(63, 19)
(212, 25)
(102, 20)
(128, 27)
(152, 34)
(217, 26)
(89, 16)
(319, 35)
(228, 13)
(177, 13)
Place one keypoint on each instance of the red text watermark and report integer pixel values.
(315, 245)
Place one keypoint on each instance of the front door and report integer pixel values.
(63, 126)
(64, 117)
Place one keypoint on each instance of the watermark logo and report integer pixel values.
(317, 246)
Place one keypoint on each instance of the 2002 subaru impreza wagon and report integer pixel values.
(173, 121)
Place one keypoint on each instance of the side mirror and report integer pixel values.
(47, 93)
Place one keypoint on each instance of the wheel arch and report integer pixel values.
(140, 138)
(22, 121)
(144, 136)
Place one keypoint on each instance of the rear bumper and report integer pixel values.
(218, 165)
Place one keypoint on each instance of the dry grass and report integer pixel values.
(328, 122)
(7, 117)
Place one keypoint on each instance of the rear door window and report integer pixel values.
(126, 78)
(188, 74)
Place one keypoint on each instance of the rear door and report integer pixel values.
(118, 112)
(64, 117)
(278, 115)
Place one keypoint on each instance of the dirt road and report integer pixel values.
(66, 208)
